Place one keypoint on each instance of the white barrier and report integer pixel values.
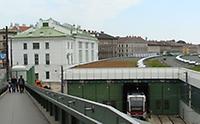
(134, 73)
(191, 62)
(140, 63)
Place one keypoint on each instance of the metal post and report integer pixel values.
(11, 55)
(190, 96)
(189, 89)
(7, 59)
(62, 81)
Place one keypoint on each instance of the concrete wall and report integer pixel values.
(188, 114)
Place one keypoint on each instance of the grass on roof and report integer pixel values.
(111, 64)
(195, 68)
(155, 63)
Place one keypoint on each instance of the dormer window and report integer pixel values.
(45, 24)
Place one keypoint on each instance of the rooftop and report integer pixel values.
(41, 32)
(111, 63)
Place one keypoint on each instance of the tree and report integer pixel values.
(181, 41)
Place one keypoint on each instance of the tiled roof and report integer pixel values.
(20, 28)
(23, 28)
(131, 39)
(104, 36)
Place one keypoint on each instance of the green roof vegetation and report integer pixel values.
(111, 63)
(155, 63)
(41, 32)
(195, 68)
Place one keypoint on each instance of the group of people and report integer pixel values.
(16, 85)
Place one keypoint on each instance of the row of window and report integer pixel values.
(80, 44)
(35, 46)
(69, 45)
(47, 73)
(86, 55)
(36, 59)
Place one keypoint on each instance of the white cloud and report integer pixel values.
(84, 12)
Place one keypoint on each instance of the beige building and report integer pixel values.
(107, 45)
(3, 42)
(3, 37)
(131, 46)
(161, 47)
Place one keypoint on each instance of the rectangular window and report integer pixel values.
(86, 45)
(92, 45)
(68, 45)
(71, 45)
(36, 76)
(36, 59)
(25, 46)
(25, 59)
(86, 55)
(45, 24)
(80, 44)
(47, 75)
(68, 57)
(47, 45)
(72, 59)
(92, 55)
(80, 56)
(36, 45)
(47, 57)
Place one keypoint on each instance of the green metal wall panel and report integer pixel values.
(116, 95)
(75, 89)
(89, 91)
(171, 96)
(184, 92)
(195, 94)
(31, 75)
(164, 98)
(100, 92)
(155, 93)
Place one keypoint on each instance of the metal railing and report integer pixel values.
(3, 85)
(74, 110)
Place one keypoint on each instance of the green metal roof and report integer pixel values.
(41, 32)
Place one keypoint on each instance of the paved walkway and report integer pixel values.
(16, 108)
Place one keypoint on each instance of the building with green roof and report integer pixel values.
(50, 44)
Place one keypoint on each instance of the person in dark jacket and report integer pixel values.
(21, 84)
(13, 84)
(9, 86)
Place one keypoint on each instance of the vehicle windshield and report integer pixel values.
(136, 103)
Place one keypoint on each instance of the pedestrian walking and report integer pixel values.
(13, 83)
(9, 87)
(21, 84)
(17, 85)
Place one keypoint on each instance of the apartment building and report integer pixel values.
(50, 44)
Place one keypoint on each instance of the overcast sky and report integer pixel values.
(155, 19)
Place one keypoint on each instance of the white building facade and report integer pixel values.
(49, 45)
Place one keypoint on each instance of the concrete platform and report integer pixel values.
(154, 119)
(176, 120)
(16, 108)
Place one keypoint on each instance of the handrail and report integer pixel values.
(89, 110)
(3, 85)
(75, 113)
